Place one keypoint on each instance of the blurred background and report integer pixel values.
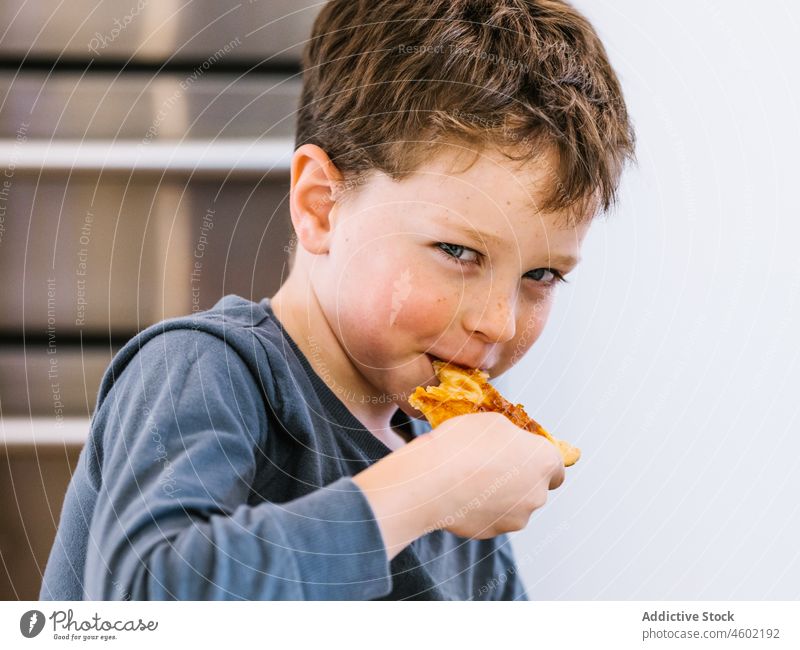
(671, 358)
(144, 150)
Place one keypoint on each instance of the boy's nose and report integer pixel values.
(493, 318)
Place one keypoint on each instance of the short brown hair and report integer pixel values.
(386, 83)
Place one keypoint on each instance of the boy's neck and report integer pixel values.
(295, 311)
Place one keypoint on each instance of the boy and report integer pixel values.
(450, 157)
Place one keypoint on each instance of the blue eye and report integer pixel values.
(545, 276)
(453, 252)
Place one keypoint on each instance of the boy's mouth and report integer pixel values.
(431, 359)
(458, 362)
(432, 379)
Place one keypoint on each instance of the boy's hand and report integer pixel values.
(475, 475)
(496, 474)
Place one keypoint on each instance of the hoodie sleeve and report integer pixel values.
(500, 580)
(181, 431)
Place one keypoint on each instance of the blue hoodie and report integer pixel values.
(219, 465)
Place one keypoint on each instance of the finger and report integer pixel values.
(558, 475)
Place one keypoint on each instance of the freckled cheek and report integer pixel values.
(368, 276)
(383, 289)
(430, 312)
(528, 333)
(419, 301)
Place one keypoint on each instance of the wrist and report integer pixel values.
(401, 492)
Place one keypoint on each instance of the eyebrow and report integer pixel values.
(476, 235)
(479, 237)
(565, 260)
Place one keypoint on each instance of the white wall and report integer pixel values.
(672, 357)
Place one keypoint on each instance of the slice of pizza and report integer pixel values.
(465, 390)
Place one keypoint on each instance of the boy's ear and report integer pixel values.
(313, 182)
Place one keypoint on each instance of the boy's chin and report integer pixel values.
(404, 382)
(424, 377)
(409, 410)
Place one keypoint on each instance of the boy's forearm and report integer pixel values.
(305, 549)
(402, 494)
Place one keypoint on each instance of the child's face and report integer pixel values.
(393, 290)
